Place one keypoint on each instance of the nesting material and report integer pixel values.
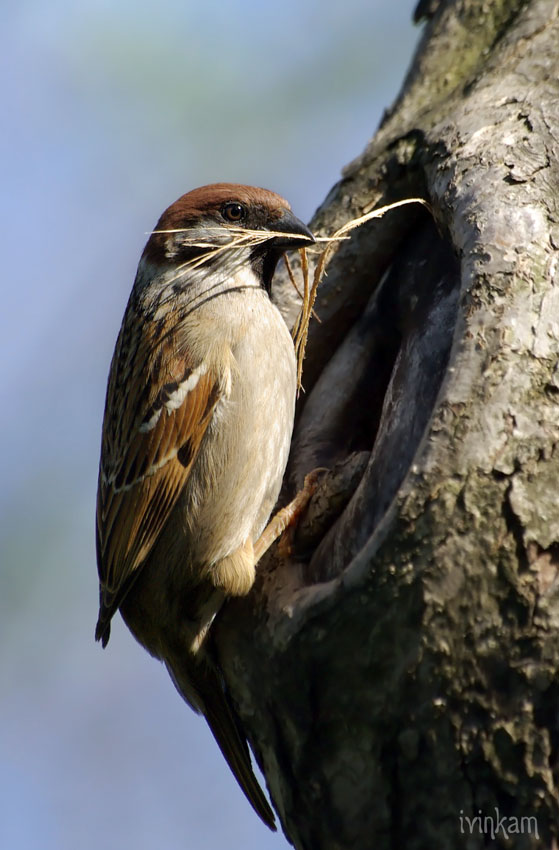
(301, 328)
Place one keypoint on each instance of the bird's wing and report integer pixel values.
(159, 404)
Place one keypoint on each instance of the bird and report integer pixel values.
(197, 427)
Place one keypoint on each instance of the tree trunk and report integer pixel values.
(397, 675)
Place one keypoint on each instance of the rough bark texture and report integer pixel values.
(398, 677)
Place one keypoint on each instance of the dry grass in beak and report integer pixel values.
(301, 328)
(241, 237)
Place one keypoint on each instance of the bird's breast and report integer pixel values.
(238, 474)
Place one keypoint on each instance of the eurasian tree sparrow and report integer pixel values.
(198, 420)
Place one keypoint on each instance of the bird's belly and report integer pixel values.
(231, 491)
(237, 481)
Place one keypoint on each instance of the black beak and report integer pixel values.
(293, 233)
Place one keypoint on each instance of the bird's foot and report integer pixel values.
(287, 518)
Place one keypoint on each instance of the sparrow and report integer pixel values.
(198, 420)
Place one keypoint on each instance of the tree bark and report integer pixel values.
(397, 676)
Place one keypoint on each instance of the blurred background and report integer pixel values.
(110, 110)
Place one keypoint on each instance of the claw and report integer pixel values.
(287, 517)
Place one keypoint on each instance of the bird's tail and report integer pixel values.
(202, 687)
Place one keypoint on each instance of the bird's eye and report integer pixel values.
(233, 212)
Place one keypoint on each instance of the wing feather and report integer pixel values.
(153, 427)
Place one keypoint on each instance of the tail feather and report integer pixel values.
(215, 704)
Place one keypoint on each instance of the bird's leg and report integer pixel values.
(287, 516)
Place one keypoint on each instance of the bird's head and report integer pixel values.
(224, 225)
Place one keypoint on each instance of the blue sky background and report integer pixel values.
(110, 111)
